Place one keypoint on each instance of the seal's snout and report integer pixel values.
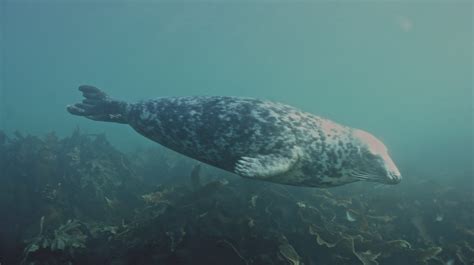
(394, 178)
(377, 160)
(393, 174)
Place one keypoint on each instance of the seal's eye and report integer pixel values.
(374, 158)
(366, 152)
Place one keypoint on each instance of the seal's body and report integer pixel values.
(252, 138)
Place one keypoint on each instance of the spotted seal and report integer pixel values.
(250, 137)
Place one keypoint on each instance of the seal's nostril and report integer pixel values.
(395, 178)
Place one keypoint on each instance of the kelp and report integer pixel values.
(97, 205)
(58, 247)
(289, 253)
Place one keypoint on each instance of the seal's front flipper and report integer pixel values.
(98, 106)
(267, 166)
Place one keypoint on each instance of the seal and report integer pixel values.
(250, 137)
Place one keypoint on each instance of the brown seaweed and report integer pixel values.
(97, 205)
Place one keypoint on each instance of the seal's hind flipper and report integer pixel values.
(267, 166)
(98, 106)
(92, 93)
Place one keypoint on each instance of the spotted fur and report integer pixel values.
(251, 137)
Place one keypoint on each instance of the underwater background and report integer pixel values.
(75, 191)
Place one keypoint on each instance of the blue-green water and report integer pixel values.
(401, 70)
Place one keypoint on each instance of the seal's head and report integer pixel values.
(374, 162)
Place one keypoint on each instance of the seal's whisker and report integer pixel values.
(366, 177)
(360, 175)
